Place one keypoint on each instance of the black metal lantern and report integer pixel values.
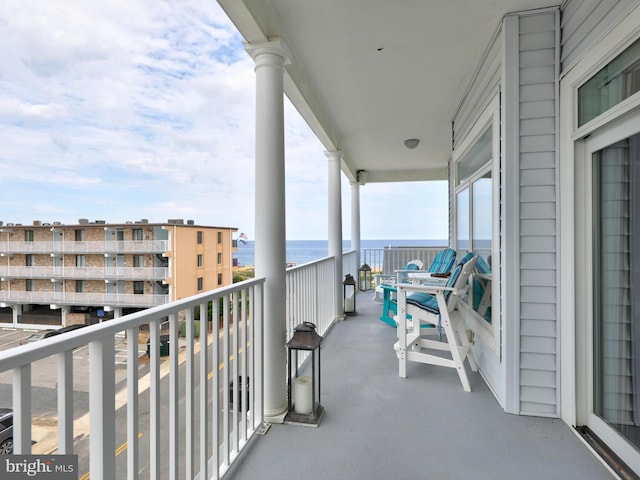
(364, 277)
(303, 404)
(349, 286)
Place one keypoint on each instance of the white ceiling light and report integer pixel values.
(411, 143)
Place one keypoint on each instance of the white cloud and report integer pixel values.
(120, 110)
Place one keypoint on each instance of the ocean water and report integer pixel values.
(303, 251)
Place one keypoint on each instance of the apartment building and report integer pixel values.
(58, 274)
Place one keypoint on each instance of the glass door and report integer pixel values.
(612, 163)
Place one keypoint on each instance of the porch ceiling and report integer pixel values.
(368, 74)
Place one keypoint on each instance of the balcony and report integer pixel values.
(90, 299)
(377, 425)
(110, 246)
(86, 273)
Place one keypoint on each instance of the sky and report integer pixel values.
(121, 110)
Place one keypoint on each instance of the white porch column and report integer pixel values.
(270, 233)
(335, 225)
(355, 220)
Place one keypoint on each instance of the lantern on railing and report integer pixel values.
(349, 286)
(303, 404)
(364, 277)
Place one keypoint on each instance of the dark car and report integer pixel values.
(39, 336)
(70, 328)
(6, 431)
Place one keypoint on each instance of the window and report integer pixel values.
(138, 261)
(79, 286)
(138, 287)
(474, 162)
(199, 235)
(79, 235)
(28, 235)
(199, 260)
(219, 279)
(618, 80)
(80, 260)
(474, 219)
(29, 285)
(199, 283)
(219, 237)
(219, 258)
(136, 234)
(28, 260)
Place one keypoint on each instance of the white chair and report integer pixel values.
(390, 279)
(435, 306)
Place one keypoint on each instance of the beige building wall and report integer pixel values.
(200, 257)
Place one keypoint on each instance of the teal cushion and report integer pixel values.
(482, 266)
(443, 261)
(424, 301)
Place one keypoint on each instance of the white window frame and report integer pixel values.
(573, 348)
(489, 333)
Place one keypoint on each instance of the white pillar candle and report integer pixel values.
(303, 395)
(348, 304)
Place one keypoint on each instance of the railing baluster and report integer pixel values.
(102, 418)
(204, 391)
(215, 388)
(189, 400)
(226, 460)
(133, 449)
(154, 399)
(22, 410)
(65, 402)
(243, 294)
(174, 398)
(237, 381)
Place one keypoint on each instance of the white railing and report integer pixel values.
(387, 260)
(91, 299)
(85, 273)
(350, 264)
(310, 295)
(107, 246)
(221, 431)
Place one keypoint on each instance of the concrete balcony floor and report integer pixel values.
(380, 426)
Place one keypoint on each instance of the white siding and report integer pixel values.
(524, 68)
(585, 21)
(485, 87)
(537, 72)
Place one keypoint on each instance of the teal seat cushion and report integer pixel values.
(424, 301)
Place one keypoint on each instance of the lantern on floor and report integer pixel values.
(349, 286)
(303, 404)
(364, 276)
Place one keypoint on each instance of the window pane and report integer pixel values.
(618, 80)
(616, 268)
(462, 223)
(482, 229)
(482, 217)
(477, 156)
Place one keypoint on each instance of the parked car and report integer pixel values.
(39, 336)
(6, 431)
(70, 328)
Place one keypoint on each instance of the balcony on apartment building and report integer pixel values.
(376, 425)
(85, 247)
(86, 273)
(139, 300)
